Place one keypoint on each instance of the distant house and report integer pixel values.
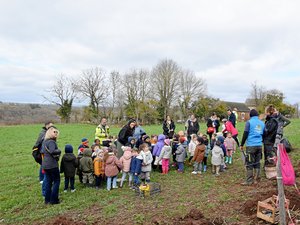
(242, 110)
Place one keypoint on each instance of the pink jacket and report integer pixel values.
(112, 165)
(125, 160)
(230, 143)
(230, 128)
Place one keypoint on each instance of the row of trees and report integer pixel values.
(148, 95)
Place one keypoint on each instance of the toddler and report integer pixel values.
(87, 167)
(136, 167)
(199, 156)
(112, 165)
(180, 155)
(99, 168)
(147, 160)
(165, 156)
(217, 158)
(230, 145)
(125, 161)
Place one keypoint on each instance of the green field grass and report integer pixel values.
(20, 194)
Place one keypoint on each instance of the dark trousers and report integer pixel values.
(236, 140)
(253, 157)
(70, 180)
(52, 186)
(99, 180)
(205, 161)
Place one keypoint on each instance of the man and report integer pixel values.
(38, 145)
(192, 127)
(253, 136)
(102, 132)
(231, 117)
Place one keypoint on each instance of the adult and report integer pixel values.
(273, 119)
(228, 127)
(191, 126)
(38, 145)
(235, 112)
(169, 127)
(126, 132)
(213, 125)
(50, 166)
(253, 136)
(231, 116)
(138, 131)
(102, 132)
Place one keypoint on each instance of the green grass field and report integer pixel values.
(20, 194)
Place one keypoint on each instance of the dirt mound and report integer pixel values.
(62, 220)
(250, 206)
(195, 217)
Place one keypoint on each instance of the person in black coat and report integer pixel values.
(231, 117)
(169, 127)
(68, 166)
(192, 127)
(126, 132)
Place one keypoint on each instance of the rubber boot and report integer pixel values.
(256, 176)
(204, 168)
(249, 178)
(226, 159)
(230, 160)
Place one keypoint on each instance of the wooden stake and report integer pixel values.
(281, 197)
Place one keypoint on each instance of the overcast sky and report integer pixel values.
(230, 43)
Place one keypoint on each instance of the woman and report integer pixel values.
(169, 127)
(50, 166)
(272, 132)
(126, 132)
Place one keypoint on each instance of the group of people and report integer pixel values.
(135, 154)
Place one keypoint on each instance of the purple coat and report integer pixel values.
(159, 145)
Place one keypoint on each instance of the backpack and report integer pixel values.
(37, 155)
(286, 144)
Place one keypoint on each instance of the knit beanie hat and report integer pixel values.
(68, 149)
(84, 140)
(253, 112)
(145, 137)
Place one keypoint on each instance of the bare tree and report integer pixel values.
(191, 89)
(137, 86)
(165, 80)
(115, 84)
(92, 85)
(62, 94)
(257, 94)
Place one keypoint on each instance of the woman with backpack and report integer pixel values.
(51, 155)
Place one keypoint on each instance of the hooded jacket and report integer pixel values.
(125, 160)
(165, 153)
(99, 166)
(68, 164)
(180, 153)
(112, 165)
(199, 153)
(86, 162)
(159, 145)
(147, 160)
(217, 155)
(136, 164)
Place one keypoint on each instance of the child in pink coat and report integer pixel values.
(112, 165)
(125, 161)
(230, 145)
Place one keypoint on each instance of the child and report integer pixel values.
(217, 158)
(230, 145)
(222, 146)
(157, 149)
(99, 168)
(68, 167)
(87, 168)
(112, 165)
(131, 142)
(199, 156)
(180, 155)
(192, 146)
(125, 161)
(79, 171)
(147, 160)
(95, 150)
(207, 150)
(136, 167)
(84, 145)
(147, 140)
(213, 140)
(165, 156)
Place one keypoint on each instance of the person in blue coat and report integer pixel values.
(136, 167)
(253, 137)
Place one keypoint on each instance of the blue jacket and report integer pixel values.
(255, 127)
(136, 164)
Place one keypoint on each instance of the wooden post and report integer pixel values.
(281, 197)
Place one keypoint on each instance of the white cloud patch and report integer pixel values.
(230, 43)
